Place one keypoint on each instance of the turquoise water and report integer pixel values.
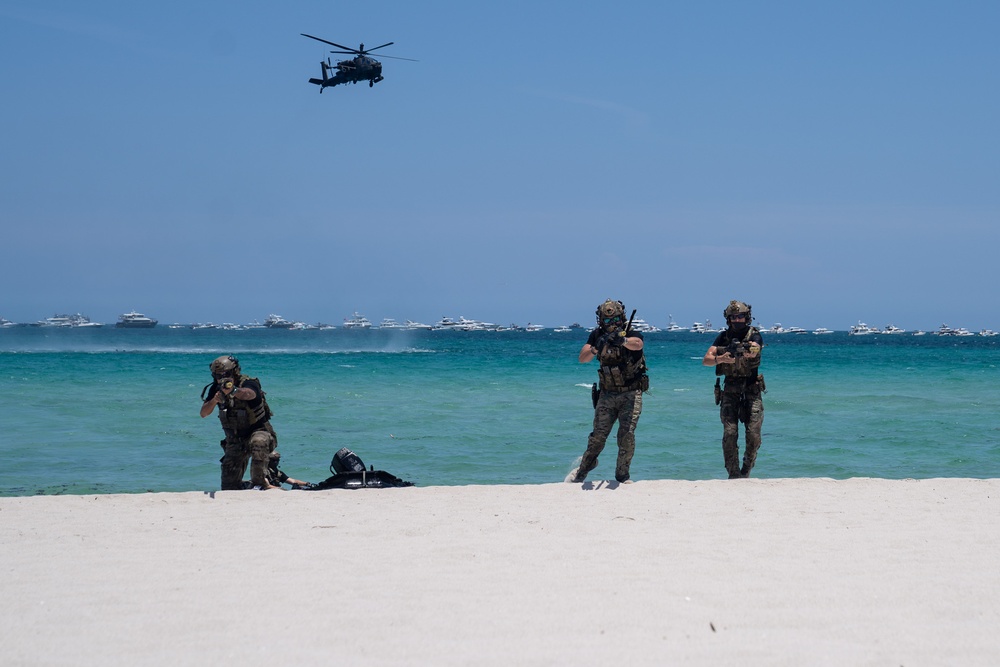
(116, 411)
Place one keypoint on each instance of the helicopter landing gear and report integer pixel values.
(371, 83)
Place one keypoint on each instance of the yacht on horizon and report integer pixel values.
(134, 320)
(862, 329)
(357, 321)
(273, 321)
(673, 326)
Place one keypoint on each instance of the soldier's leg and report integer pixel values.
(262, 443)
(629, 409)
(729, 413)
(234, 459)
(604, 418)
(754, 423)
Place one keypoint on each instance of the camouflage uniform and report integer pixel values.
(239, 451)
(246, 424)
(623, 379)
(623, 407)
(740, 400)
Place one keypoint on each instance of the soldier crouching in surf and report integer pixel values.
(623, 379)
(245, 418)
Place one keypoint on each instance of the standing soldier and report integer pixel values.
(623, 379)
(245, 418)
(736, 355)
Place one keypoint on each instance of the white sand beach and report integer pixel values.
(743, 572)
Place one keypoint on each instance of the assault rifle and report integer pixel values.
(736, 348)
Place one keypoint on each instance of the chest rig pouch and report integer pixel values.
(622, 370)
(240, 418)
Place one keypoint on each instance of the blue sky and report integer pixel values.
(826, 162)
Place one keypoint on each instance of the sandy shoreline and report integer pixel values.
(790, 572)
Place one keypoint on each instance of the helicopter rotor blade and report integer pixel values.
(381, 55)
(325, 41)
(414, 60)
(379, 47)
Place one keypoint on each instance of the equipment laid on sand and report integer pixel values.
(349, 473)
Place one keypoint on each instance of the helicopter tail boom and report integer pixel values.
(325, 81)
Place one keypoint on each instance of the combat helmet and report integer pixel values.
(225, 366)
(736, 308)
(611, 314)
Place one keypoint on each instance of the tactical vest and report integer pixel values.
(622, 370)
(745, 367)
(239, 418)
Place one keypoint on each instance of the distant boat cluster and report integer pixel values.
(359, 321)
(132, 320)
(862, 329)
(135, 320)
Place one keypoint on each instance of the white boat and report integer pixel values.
(987, 332)
(862, 329)
(534, 327)
(562, 329)
(963, 332)
(4, 322)
(465, 324)
(821, 331)
(54, 321)
(919, 333)
(795, 330)
(410, 324)
(76, 320)
(357, 321)
(446, 324)
(945, 330)
(642, 326)
(892, 329)
(134, 320)
(673, 327)
(389, 323)
(277, 322)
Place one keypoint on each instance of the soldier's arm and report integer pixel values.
(209, 405)
(587, 353)
(633, 343)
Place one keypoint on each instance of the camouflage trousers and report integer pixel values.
(238, 452)
(623, 407)
(736, 407)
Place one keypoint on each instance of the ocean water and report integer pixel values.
(116, 411)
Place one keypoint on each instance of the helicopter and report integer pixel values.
(361, 67)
